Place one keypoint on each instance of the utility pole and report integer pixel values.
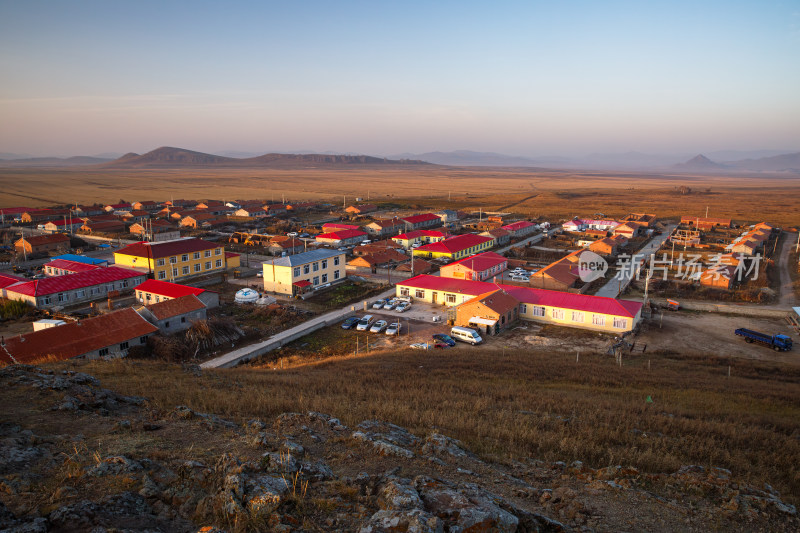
(706, 211)
(24, 251)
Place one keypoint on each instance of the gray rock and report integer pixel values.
(399, 495)
(437, 444)
(414, 521)
(114, 465)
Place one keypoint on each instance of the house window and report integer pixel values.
(208, 253)
(80, 294)
(450, 298)
(197, 267)
(419, 294)
(316, 280)
(523, 309)
(158, 298)
(558, 314)
(166, 324)
(208, 265)
(335, 261)
(124, 283)
(123, 346)
(162, 274)
(598, 320)
(537, 310)
(183, 320)
(324, 264)
(143, 340)
(218, 263)
(62, 297)
(306, 269)
(173, 259)
(621, 323)
(577, 316)
(185, 270)
(174, 272)
(324, 278)
(46, 300)
(335, 274)
(160, 262)
(185, 257)
(404, 291)
(196, 255)
(102, 352)
(315, 266)
(218, 251)
(296, 271)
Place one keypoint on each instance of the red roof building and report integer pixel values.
(109, 335)
(425, 220)
(562, 308)
(154, 291)
(76, 288)
(61, 267)
(477, 267)
(456, 247)
(336, 226)
(523, 228)
(338, 238)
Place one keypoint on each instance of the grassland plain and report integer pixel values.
(518, 404)
(551, 193)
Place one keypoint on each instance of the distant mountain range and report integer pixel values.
(176, 158)
(168, 157)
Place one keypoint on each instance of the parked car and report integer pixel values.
(393, 329)
(350, 323)
(403, 307)
(391, 304)
(379, 304)
(421, 346)
(379, 326)
(520, 278)
(445, 339)
(364, 323)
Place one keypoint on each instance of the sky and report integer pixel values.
(527, 78)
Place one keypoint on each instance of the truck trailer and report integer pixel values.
(779, 343)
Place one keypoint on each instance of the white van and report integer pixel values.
(466, 335)
(364, 323)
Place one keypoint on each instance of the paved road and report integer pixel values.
(612, 288)
(245, 353)
(530, 240)
(787, 296)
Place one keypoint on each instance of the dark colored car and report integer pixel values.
(350, 323)
(446, 339)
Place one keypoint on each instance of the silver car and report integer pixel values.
(393, 329)
(390, 304)
(403, 307)
(378, 326)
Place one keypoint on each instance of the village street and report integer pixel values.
(613, 287)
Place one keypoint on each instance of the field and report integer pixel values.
(555, 194)
(518, 404)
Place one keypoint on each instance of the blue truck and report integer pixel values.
(779, 343)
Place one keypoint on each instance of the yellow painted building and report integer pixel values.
(539, 305)
(173, 260)
(420, 236)
(301, 273)
(456, 247)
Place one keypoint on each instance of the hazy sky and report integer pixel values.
(379, 77)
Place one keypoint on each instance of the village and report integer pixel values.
(224, 283)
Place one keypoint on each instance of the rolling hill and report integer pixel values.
(699, 163)
(169, 157)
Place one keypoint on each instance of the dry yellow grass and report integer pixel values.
(524, 404)
(547, 193)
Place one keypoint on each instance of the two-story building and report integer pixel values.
(342, 237)
(173, 260)
(384, 228)
(300, 273)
